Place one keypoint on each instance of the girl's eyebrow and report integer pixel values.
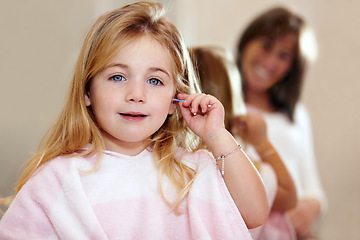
(155, 69)
(116, 65)
(152, 69)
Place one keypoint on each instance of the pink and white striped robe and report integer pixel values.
(121, 200)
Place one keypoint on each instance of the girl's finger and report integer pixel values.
(191, 101)
(187, 99)
(206, 104)
(196, 103)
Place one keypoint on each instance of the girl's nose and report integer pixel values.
(135, 93)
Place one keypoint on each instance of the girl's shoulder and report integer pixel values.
(74, 160)
(47, 183)
(64, 165)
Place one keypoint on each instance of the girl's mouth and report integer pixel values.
(133, 116)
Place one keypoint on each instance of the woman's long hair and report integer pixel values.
(272, 24)
(76, 128)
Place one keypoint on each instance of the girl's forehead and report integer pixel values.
(160, 45)
(146, 46)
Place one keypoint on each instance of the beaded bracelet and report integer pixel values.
(222, 158)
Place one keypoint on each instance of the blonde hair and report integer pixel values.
(219, 76)
(76, 127)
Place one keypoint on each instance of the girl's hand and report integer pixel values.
(203, 113)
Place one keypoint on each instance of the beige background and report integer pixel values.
(40, 40)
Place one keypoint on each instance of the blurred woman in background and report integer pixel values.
(271, 63)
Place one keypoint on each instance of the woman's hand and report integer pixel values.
(304, 216)
(252, 128)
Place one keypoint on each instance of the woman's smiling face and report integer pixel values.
(132, 97)
(265, 61)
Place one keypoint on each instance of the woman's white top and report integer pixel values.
(294, 143)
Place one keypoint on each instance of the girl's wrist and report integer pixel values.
(214, 136)
(221, 143)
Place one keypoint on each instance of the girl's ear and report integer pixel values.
(172, 108)
(87, 100)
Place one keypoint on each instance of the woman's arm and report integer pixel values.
(252, 128)
(286, 197)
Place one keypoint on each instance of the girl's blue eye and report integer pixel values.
(117, 78)
(154, 81)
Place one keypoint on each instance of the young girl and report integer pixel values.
(219, 76)
(120, 163)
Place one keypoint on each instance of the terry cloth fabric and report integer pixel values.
(278, 227)
(121, 200)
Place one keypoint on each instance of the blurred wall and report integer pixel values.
(40, 41)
